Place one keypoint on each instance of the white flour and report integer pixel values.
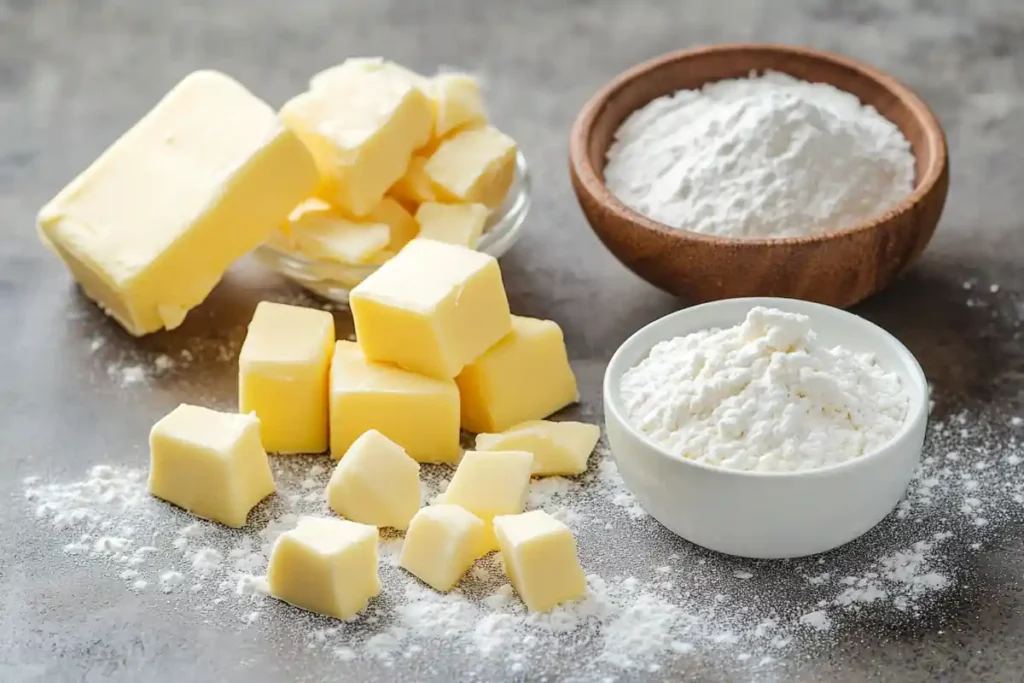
(765, 395)
(767, 156)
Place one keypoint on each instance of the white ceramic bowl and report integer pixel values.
(768, 515)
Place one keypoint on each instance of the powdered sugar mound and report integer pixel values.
(764, 395)
(768, 156)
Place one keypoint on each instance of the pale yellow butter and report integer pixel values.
(403, 226)
(320, 231)
(441, 544)
(489, 484)
(421, 414)
(557, 447)
(283, 369)
(525, 376)
(431, 309)
(152, 225)
(362, 128)
(331, 75)
(458, 103)
(473, 166)
(414, 187)
(539, 556)
(212, 464)
(328, 566)
(375, 482)
(460, 224)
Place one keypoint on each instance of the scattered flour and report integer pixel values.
(765, 396)
(757, 157)
(652, 599)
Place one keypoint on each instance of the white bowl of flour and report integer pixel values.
(766, 427)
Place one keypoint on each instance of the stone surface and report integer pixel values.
(74, 75)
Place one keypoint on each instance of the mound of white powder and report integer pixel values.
(768, 156)
(765, 395)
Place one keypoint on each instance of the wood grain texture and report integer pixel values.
(838, 268)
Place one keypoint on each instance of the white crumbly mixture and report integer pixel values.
(757, 157)
(763, 396)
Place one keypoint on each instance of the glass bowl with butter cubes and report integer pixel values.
(400, 155)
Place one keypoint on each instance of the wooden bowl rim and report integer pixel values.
(593, 183)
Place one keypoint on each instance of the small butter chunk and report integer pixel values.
(458, 103)
(375, 482)
(421, 414)
(282, 376)
(401, 223)
(525, 376)
(212, 464)
(489, 484)
(362, 128)
(152, 225)
(321, 232)
(414, 187)
(441, 544)
(539, 556)
(431, 309)
(557, 447)
(328, 566)
(473, 166)
(460, 224)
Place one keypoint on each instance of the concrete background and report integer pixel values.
(74, 75)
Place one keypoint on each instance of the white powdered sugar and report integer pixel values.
(764, 156)
(764, 395)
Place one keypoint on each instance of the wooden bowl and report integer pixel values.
(838, 268)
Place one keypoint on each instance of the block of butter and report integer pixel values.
(558, 447)
(362, 127)
(475, 165)
(419, 413)
(212, 464)
(489, 484)
(375, 482)
(525, 376)
(150, 227)
(328, 566)
(431, 309)
(320, 231)
(460, 224)
(457, 103)
(282, 376)
(441, 544)
(539, 556)
(414, 187)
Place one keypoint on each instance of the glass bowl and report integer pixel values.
(334, 281)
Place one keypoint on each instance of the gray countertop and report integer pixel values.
(74, 75)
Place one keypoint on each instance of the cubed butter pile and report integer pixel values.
(384, 136)
(350, 171)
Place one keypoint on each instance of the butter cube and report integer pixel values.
(421, 414)
(460, 224)
(490, 484)
(557, 447)
(473, 166)
(282, 376)
(441, 544)
(431, 309)
(328, 566)
(322, 232)
(414, 187)
(375, 482)
(525, 376)
(362, 128)
(402, 225)
(539, 556)
(209, 463)
(152, 225)
(327, 77)
(457, 101)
